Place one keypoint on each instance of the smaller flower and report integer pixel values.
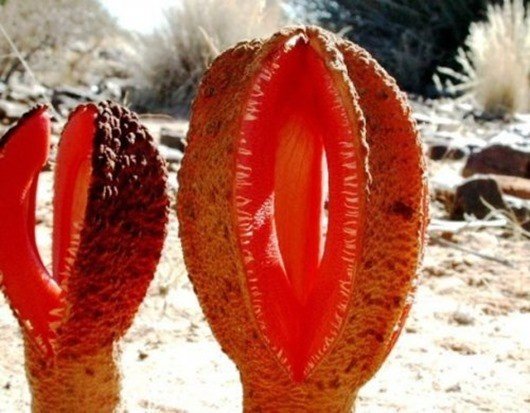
(110, 214)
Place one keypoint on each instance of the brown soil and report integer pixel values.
(465, 348)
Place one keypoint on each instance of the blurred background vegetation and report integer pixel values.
(432, 48)
(410, 38)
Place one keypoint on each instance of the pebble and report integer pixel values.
(463, 318)
(477, 196)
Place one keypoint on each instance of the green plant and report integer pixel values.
(495, 63)
(172, 60)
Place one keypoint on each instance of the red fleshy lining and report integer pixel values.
(299, 279)
(32, 293)
(72, 179)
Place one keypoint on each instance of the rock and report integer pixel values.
(510, 138)
(111, 88)
(522, 128)
(499, 159)
(453, 388)
(464, 318)
(441, 122)
(27, 94)
(173, 138)
(471, 195)
(64, 104)
(441, 151)
(513, 185)
(65, 99)
(11, 111)
(451, 145)
(75, 92)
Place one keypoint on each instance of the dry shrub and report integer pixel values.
(172, 60)
(50, 35)
(410, 38)
(495, 68)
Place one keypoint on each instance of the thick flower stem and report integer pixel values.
(261, 395)
(81, 383)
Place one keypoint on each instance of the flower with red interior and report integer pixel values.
(302, 209)
(109, 222)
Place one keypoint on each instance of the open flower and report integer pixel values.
(302, 206)
(110, 214)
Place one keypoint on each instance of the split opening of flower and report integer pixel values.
(35, 294)
(300, 144)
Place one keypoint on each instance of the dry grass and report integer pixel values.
(496, 65)
(173, 58)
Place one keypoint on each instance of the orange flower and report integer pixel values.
(110, 214)
(303, 208)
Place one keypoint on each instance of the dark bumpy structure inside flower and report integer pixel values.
(110, 212)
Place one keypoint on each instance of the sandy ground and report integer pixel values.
(465, 348)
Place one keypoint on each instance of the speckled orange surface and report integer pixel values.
(390, 232)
